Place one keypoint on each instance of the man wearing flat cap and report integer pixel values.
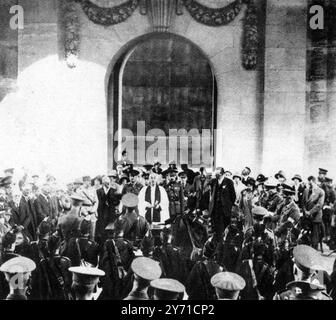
(85, 282)
(18, 272)
(228, 285)
(145, 270)
(167, 289)
(306, 284)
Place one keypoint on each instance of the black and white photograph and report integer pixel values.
(175, 150)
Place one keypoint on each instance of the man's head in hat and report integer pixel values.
(250, 184)
(97, 182)
(167, 289)
(157, 165)
(228, 174)
(228, 285)
(124, 154)
(18, 272)
(123, 180)
(237, 178)
(119, 169)
(113, 175)
(134, 175)
(183, 177)
(307, 261)
(288, 194)
(145, 270)
(77, 200)
(322, 173)
(328, 181)
(85, 281)
(271, 186)
(311, 182)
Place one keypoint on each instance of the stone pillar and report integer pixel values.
(8, 50)
(317, 142)
(285, 87)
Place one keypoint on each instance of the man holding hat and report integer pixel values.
(306, 285)
(85, 282)
(145, 270)
(18, 272)
(167, 289)
(274, 198)
(228, 285)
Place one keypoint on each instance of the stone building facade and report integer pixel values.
(59, 119)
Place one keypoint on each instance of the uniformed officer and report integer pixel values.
(228, 285)
(85, 281)
(18, 272)
(145, 270)
(307, 262)
(321, 177)
(133, 186)
(288, 213)
(274, 198)
(167, 289)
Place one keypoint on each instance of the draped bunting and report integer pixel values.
(214, 17)
(211, 16)
(250, 38)
(109, 16)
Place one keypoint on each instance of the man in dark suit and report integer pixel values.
(107, 202)
(312, 205)
(202, 189)
(44, 205)
(223, 197)
(27, 215)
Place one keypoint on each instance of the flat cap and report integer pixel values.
(170, 285)
(86, 275)
(307, 257)
(146, 268)
(18, 265)
(259, 211)
(130, 200)
(228, 281)
(76, 196)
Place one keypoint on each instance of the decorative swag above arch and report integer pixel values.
(108, 13)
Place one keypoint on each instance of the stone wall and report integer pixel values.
(61, 113)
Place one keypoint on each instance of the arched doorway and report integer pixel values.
(162, 99)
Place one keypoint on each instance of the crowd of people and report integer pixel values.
(149, 233)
